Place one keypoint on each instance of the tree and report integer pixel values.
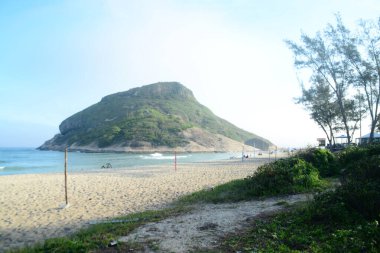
(370, 80)
(362, 51)
(345, 62)
(318, 100)
(355, 109)
(319, 55)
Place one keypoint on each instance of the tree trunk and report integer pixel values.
(344, 118)
(372, 134)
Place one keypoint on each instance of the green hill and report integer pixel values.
(161, 115)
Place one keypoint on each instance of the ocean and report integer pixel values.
(31, 161)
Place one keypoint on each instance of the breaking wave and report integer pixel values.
(159, 156)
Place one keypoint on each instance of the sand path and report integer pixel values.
(205, 225)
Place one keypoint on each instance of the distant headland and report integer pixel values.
(163, 117)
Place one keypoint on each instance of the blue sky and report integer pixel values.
(59, 57)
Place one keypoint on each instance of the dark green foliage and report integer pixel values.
(342, 220)
(353, 154)
(363, 197)
(155, 114)
(322, 159)
(331, 208)
(285, 176)
(295, 232)
(360, 187)
(144, 125)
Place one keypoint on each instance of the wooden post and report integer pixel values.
(275, 155)
(360, 117)
(66, 177)
(175, 160)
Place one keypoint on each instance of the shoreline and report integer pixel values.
(31, 203)
(168, 162)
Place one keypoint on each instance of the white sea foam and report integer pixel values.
(1, 168)
(159, 156)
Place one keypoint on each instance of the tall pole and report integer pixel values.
(175, 160)
(360, 112)
(66, 177)
(275, 155)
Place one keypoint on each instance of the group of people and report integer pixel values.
(107, 166)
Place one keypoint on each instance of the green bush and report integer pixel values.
(360, 187)
(331, 208)
(363, 197)
(351, 155)
(322, 159)
(284, 176)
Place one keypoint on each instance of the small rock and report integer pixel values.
(152, 229)
(207, 226)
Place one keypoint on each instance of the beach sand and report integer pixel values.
(31, 205)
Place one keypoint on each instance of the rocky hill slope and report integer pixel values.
(157, 117)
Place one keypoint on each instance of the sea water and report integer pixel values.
(32, 161)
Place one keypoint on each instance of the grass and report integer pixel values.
(97, 237)
(294, 231)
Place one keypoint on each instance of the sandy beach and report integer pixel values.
(31, 205)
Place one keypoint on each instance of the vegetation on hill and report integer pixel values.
(156, 114)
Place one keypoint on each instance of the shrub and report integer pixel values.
(284, 176)
(322, 159)
(363, 197)
(351, 155)
(330, 208)
(361, 180)
(361, 184)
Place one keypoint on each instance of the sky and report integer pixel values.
(59, 57)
